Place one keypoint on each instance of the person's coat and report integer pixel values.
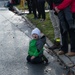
(66, 3)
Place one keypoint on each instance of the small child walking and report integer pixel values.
(35, 52)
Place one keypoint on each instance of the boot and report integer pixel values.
(55, 46)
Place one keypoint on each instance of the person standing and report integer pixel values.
(67, 26)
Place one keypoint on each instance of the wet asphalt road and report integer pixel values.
(14, 41)
(15, 34)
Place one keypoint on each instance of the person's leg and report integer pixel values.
(72, 39)
(34, 8)
(64, 38)
(64, 33)
(29, 6)
(69, 19)
(74, 18)
(71, 29)
(43, 10)
(39, 9)
(72, 42)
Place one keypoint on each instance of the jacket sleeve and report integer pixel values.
(64, 4)
(40, 43)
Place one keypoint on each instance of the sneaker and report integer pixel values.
(60, 52)
(71, 54)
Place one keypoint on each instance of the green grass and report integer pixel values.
(46, 26)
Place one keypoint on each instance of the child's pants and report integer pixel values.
(36, 60)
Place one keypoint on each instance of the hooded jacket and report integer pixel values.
(36, 46)
(32, 48)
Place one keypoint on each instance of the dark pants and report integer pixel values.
(67, 27)
(41, 9)
(29, 2)
(34, 8)
(74, 17)
(37, 60)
